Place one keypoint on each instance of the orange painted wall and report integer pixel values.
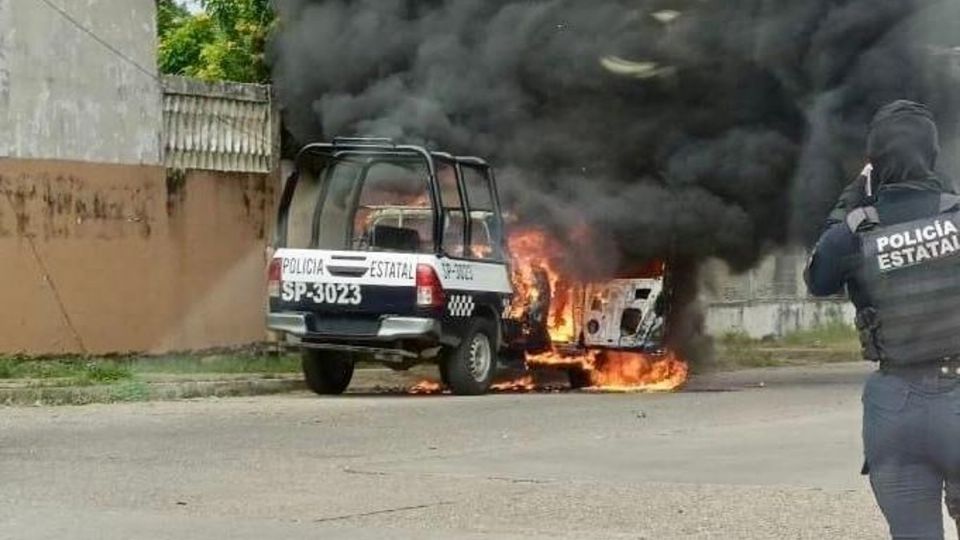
(104, 258)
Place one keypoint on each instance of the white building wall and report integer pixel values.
(769, 300)
(775, 318)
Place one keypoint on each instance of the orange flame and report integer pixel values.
(621, 371)
(521, 384)
(532, 251)
(534, 255)
(426, 386)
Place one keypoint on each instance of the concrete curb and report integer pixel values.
(146, 391)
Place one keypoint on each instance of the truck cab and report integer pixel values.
(393, 254)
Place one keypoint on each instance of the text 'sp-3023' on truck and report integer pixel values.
(393, 254)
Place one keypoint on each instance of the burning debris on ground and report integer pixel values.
(426, 387)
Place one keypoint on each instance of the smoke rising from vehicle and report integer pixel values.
(685, 129)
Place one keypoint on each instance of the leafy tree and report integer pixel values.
(169, 15)
(223, 42)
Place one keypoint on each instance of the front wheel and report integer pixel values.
(327, 372)
(470, 367)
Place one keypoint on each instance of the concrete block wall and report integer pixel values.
(775, 318)
(769, 300)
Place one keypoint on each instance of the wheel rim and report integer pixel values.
(480, 357)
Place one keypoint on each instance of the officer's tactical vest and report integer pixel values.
(910, 273)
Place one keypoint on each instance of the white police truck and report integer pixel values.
(393, 254)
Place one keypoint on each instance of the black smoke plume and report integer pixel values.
(685, 129)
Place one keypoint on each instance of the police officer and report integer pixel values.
(899, 259)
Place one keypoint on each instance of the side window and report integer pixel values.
(334, 219)
(478, 189)
(303, 206)
(486, 239)
(319, 209)
(454, 226)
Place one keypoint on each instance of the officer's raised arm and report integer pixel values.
(857, 193)
(829, 266)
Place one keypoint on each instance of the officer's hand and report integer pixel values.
(853, 196)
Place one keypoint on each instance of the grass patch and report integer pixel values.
(833, 342)
(105, 372)
(79, 380)
(218, 363)
(128, 372)
(834, 334)
(740, 350)
(76, 370)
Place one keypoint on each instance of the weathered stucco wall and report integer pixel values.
(111, 258)
(64, 95)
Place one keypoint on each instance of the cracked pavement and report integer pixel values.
(730, 458)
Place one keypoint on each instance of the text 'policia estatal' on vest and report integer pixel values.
(937, 240)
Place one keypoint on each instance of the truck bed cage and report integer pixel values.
(383, 146)
(363, 141)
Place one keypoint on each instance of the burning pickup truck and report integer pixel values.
(607, 334)
(395, 254)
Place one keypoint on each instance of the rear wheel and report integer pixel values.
(469, 368)
(327, 372)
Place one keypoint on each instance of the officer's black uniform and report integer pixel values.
(900, 262)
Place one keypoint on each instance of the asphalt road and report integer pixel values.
(730, 458)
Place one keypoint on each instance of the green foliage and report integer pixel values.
(76, 371)
(87, 371)
(169, 15)
(224, 42)
(183, 45)
(105, 372)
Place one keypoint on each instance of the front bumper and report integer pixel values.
(389, 329)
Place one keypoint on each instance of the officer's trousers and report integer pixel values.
(911, 440)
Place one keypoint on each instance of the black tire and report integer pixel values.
(444, 373)
(327, 372)
(467, 372)
(579, 378)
